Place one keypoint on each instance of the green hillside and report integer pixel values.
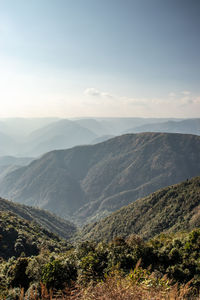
(87, 182)
(43, 218)
(20, 237)
(175, 208)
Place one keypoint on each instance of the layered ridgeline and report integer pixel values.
(20, 236)
(6, 144)
(16, 161)
(189, 126)
(45, 219)
(63, 134)
(174, 208)
(58, 135)
(34, 137)
(89, 182)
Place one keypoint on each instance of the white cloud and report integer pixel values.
(186, 93)
(97, 93)
(179, 104)
(107, 95)
(92, 92)
(172, 94)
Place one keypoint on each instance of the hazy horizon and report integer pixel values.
(84, 59)
(93, 117)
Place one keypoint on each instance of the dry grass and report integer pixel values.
(116, 288)
(122, 289)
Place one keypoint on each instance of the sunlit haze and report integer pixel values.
(101, 58)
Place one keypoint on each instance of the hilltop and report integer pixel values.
(19, 236)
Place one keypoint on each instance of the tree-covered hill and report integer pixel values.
(174, 208)
(88, 182)
(20, 237)
(43, 218)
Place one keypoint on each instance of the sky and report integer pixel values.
(100, 58)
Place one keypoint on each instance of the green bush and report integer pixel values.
(16, 273)
(56, 274)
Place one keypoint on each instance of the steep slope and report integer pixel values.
(174, 208)
(43, 218)
(4, 170)
(189, 126)
(20, 236)
(92, 181)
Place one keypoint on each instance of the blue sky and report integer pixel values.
(72, 58)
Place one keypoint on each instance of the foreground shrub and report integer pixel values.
(57, 274)
(16, 273)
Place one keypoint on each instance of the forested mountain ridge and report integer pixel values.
(43, 218)
(92, 181)
(19, 236)
(174, 208)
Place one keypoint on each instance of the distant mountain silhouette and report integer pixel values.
(12, 160)
(34, 137)
(58, 135)
(189, 126)
(7, 144)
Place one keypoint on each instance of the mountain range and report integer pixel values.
(190, 126)
(58, 135)
(34, 137)
(85, 183)
(171, 209)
